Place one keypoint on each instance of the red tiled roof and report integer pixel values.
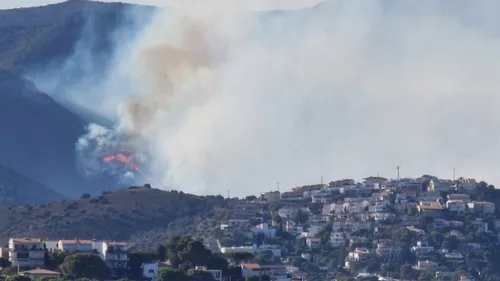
(250, 265)
(39, 271)
(27, 240)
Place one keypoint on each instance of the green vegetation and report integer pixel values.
(84, 266)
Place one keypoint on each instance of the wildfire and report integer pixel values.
(122, 158)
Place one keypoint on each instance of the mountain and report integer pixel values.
(17, 189)
(38, 133)
(117, 215)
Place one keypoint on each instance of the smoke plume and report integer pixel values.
(346, 89)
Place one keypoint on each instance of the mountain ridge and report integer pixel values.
(17, 189)
(39, 133)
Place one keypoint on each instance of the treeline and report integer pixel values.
(183, 253)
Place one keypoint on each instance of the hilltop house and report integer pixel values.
(482, 207)
(115, 254)
(26, 252)
(75, 245)
(430, 208)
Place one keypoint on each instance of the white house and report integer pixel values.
(216, 273)
(115, 254)
(337, 239)
(380, 181)
(422, 249)
(387, 250)
(288, 212)
(359, 254)
(378, 206)
(275, 272)
(275, 249)
(350, 205)
(467, 185)
(457, 206)
(264, 229)
(150, 270)
(26, 252)
(425, 265)
(313, 242)
(482, 207)
(75, 245)
(458, 196)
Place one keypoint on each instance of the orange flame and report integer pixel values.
(122, 158)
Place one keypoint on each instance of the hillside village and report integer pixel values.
(422, 228)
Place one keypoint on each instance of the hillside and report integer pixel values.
(38, 133)
(17, 189)
(39, 136)
(114, 215)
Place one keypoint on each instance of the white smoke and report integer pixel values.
(343, 90)
(98, 143)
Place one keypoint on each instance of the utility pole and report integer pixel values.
(397, 167)
(277, 186)
(228, 193)
(321, 180)
(453, 174)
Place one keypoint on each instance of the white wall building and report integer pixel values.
(457, 206)
(26, 252)
(75, 245)
(338, 239)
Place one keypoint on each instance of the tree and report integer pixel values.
(85, 196)
(184, 252)
(84, 266)
(136, 259)
(17, 278)
(426, 276)
(194, 253)
(251, 198)
(167, 274)
(252, 278)
(315, 208)
(451, 242)
(265, 278)
(237, 258)
(198, 275)
(54, 259)
(4, 263)
(406, 272)
(161, 252)
(301, 217)
(264, 257)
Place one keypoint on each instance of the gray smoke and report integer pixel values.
(100, 143)
(346, 89)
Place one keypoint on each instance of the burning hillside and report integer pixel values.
(123, 158)
(103, 152)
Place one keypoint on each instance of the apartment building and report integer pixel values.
(26, 252)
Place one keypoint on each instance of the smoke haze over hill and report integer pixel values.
(240, 100)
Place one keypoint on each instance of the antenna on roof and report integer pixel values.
(321, 180)
(228, 193)
(453, 174)
(278, 186)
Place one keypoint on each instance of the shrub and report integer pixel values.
(85, 196)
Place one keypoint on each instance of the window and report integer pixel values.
(151, 271)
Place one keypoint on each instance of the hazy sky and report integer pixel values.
(269, 4)
(349, 89)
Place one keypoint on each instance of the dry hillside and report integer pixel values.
(114, 215)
